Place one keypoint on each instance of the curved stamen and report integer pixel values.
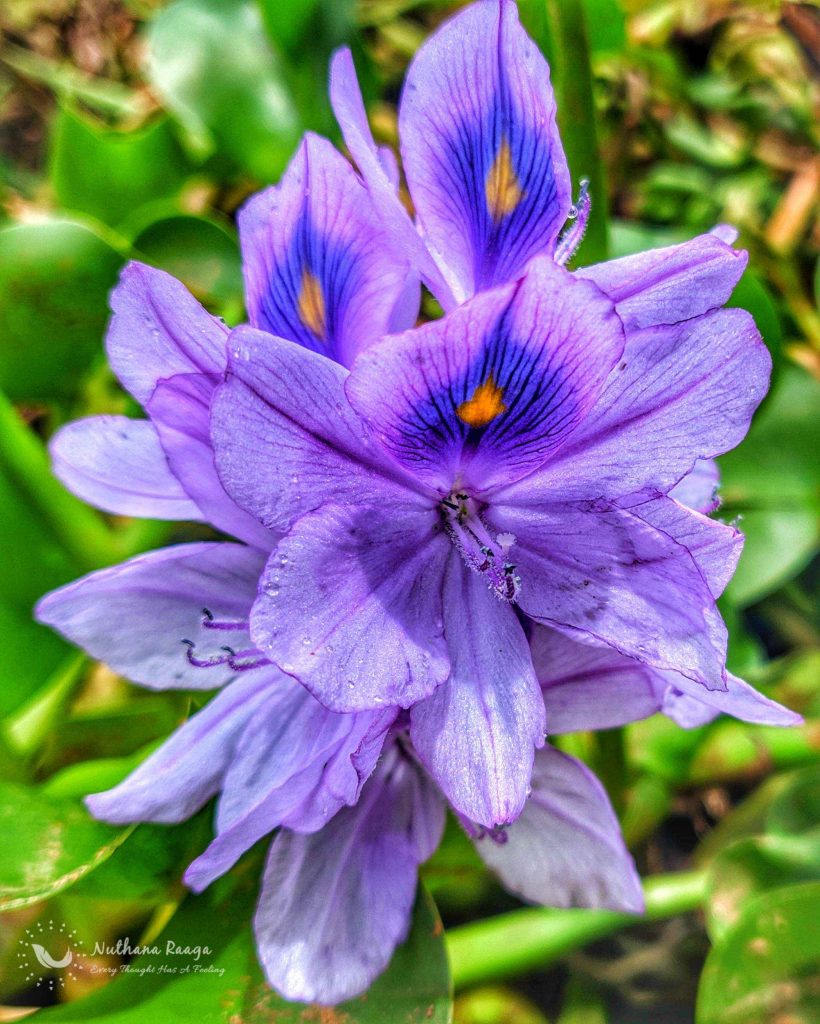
(239, 661)
(574, 233)
(480, 552)
(209, 621)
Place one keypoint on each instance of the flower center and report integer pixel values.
(482, 553)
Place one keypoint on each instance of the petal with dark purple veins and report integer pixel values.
(118, 464)
(336, 903)
(478, 732)
(566, 849)
(487, 394)
(319, 268)
(680, 394)
(481, 149)
(135, 616)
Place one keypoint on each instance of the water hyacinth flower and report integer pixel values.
(413, 507)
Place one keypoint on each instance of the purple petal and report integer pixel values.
(350, 605)
(589, 687)
(566, 849)
(665, 286)
(335, 904)
(296, 765)
(187, 770)
(740, 700)
(285, 437)
(481, 150)
(714, 546)
(380, 173)
(180, 409)
(117, 464)
(681, 393)
(319, 268)
(134, 616)
(487, 393)
(159, 330)
(698, 489)
(478, 732)
(610, 577)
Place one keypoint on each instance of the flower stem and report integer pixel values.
(524, 940)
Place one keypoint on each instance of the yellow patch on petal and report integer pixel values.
(487, 403)
(311, 305)
(502, 187)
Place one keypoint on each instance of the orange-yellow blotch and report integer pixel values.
(502, 188)
(311, 305)
(487, 403)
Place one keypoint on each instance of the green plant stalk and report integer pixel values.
(511, 944)
(610, 765)
(572, 78)
(28, 728)
(80, 532)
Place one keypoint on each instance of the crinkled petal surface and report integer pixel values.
(380, 173)
(740, 700)
(610, 577)
(566, 849)
(680, 393)
(478, 732)
(319, 268)
(665, 286)
(588, 687)
(180, 409)
(134, 616)
(336, 903)
(118, 464)
(489, 392)
(350, 605)
(296, 765)
(187, 770)
(286, 439)
(481, 149)
(159, 330)
(714, 546)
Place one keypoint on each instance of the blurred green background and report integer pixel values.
(134, 129)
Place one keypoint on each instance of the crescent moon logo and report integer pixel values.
(45, 959)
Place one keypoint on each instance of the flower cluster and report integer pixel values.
(449, 539)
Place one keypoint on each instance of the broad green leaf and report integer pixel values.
(108, 174)
(202, 253)
(773, 481)
(755, 865)
(766, 968)
(54, 282)
(212, 64)
(48, 845)
(225, 984)
(796, 809)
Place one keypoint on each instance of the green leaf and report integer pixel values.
(54, 282)
(225, 985)
(772, 480)
(796, 809)
(202, 253)
(211, 62)
(765, 968)
(55, 844)
(108, 174)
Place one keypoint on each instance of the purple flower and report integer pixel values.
(412, 511)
